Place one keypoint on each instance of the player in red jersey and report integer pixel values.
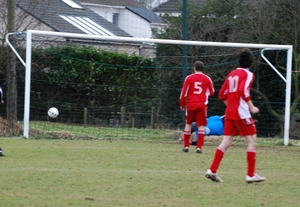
(235, 93)
(196, 89)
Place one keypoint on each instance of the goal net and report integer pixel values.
(128, 88)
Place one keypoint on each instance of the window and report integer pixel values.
(87, 25)
(72, 4)
(116, 19)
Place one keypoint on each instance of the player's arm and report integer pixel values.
(183, 94)
(211, 88)
(245, 86)
(247, 98)
(245, 93)
(252, 108)
(223, 92)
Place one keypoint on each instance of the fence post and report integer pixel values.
(85, 112)
(152, 117)
(123, 116)
(132, 120)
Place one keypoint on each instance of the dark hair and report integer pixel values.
(199, 66)
(245, 58)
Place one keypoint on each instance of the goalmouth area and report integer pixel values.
(30, 34)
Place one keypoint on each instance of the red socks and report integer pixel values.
(251, 160)
(200, 140)
(219, 154)
(187, 136)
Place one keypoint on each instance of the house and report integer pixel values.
(68, 16)
(128, 15)
(72, 16)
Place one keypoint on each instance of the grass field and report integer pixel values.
(133, 173)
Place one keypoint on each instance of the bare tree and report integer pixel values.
(11, 90)
(13, 19)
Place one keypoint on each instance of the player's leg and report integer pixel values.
(201, 120)
(220, 151)
(229, 131)
(251, 154)
(187, 129)
(200, 139)
(211, 173)
(251, 160)
(186, 137)
(248, 130)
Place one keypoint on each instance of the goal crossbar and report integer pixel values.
(289, 48)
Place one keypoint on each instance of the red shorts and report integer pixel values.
(197, 115)
(242, 127)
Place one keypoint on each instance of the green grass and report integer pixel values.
(55, 130)
(141, 173)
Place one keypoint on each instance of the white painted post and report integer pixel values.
(27, 85)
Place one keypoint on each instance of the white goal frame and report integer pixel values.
(30, 33)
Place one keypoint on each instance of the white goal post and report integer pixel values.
(287, 79)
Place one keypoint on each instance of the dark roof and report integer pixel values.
(114, 2)
(146, 14)
(131, 5)
(49, 10)
(172, 6)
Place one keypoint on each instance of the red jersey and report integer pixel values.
(195, 91)
(236, 91)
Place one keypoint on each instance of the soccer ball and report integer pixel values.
(53, 112)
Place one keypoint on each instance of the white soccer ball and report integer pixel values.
(53, 112)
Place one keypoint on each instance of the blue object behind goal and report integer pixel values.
(214, 124)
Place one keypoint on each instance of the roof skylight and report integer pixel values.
(87, 25)
(72, 4)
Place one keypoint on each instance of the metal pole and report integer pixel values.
(184, 47)
(27, 85)
(288, 97)
(185, 37)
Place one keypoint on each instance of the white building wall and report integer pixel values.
(105, 12)
(128, 21)
(134, 25)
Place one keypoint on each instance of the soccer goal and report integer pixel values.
(156, 82)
